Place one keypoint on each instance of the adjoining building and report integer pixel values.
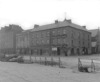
(95, 41)
(60, 38)
(8, 38)
(23, 42)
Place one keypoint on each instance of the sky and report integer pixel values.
(26, 13)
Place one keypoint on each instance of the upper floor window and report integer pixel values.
(94, 39)
(47, 33)
(43, 34)
(55, 41)
(47, 41)
(54, 31)
(59, 32)
(60, 41)
(43, 42)
(65, 40)
(64, 31)
(88, 37)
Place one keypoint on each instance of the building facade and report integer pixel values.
(23, 42)
(95, 33)
(8, 38)
(60, 38)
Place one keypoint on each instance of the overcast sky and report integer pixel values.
(29, 12)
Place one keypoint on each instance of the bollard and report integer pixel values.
(51, 60)
(45, 61)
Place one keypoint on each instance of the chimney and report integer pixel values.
(84, 27)
(36, 26)
(56, 21)
(69, 21)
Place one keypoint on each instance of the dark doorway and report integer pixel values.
(72, 51)
(78, 51)
(58, 51)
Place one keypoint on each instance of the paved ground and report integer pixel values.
(15, 72)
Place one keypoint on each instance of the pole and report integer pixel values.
(59, 62)
(35, 58)
(52, 60)
(30, 56)
(45, 61)
(40, 59)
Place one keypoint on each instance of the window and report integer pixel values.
(83, 42)
(47, 41)
(60, 31)
(43, 42)
(94, 39)
(72, 35)
(78, 35)
(72, 42)
(37, 42)
(55, 41)
(43, 34)
(47, 33)
(88, 38)
(64, 41)
(60, 41)
(64, 31)
(54, 32)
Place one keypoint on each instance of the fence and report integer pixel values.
(45, 60)
(88, 65)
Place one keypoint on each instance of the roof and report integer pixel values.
(26, 30)
(94, 32)
(59, 24)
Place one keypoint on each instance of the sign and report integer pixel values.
(54, 49)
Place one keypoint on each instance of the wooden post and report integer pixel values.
(79, 63)
(35, 59)
(40, 59)
(59, 62)
(51, 60)
(92, 66)
(30, 56)
(45, 61)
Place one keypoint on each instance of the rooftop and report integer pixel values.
(94, 32)
(58, 24)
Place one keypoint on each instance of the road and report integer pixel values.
(15, 72)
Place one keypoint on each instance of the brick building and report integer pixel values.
(60, 38)
(8, 38)
(95, 41)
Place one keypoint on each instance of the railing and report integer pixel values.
(86, 65)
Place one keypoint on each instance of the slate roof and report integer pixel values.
(59, 24)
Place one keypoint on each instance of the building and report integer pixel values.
(95, 33)
(60, 38)
(23, 42)
(8, 38)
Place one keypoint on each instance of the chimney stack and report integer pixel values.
(56, 21)
(36, 26)
(84, 27)
(69, 20)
